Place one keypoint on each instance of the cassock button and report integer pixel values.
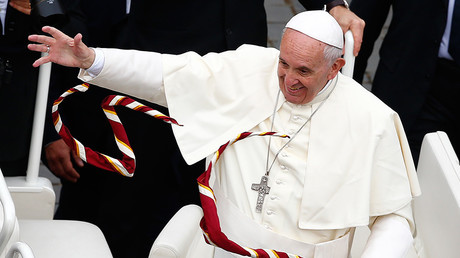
(273, 197)
(278, 182)
(10, 26)
(296, 118)
(283, 167)
(270, 212)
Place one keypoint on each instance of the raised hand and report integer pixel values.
(61, 49)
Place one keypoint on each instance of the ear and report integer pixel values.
(335, 68)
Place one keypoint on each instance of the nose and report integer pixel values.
(290, 79)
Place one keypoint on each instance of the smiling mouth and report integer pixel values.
(295, 88)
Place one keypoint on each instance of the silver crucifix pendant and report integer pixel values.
(263, 189)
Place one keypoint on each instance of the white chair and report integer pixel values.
(47, 238)
(437, 210)
(33, 196)
(63, 238)
(32, 199)
(349, 66)
(21, 249)
(9, 224)
(180, 234)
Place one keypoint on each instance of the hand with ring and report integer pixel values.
(61, 49)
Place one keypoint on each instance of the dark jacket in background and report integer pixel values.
(409, 77)
(17, 93)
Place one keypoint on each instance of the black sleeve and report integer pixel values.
(374, 13)
(314, 4)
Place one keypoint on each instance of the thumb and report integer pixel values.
(77, 159)
(77, 40)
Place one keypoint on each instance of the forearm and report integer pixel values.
(131, 72)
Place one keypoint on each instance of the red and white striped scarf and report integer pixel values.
(210, 222)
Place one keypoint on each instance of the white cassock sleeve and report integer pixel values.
(390, 237)
(98, 63)
(131, 63)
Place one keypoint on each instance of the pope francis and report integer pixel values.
(345, 164)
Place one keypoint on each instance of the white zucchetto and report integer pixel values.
(319, 25)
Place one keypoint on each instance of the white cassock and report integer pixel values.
(349, 165)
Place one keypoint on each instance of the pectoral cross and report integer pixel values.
(263, 189)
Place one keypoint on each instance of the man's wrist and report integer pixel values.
(335, 3)
(97, 64)
(89, 60)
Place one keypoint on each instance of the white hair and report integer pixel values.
(331, 53)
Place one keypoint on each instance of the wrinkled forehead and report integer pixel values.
(298, 49)
(297, 44)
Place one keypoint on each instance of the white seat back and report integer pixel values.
(20, 248)
(349, 66)
(437, 210)
(34, 196)
(32, 200)
(7, 218)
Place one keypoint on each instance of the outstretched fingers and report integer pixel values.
(56, 36)
(43, 46)
(60, 36)
(38, 47)
(55, 33)
(42, 39)
(41, 60)
(62, 49)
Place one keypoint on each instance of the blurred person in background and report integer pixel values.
(417, 74)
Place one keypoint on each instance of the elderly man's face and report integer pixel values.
(302, 68)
